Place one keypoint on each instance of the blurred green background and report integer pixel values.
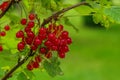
(94, 54)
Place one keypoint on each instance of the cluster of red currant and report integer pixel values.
(4, 5)
(34, 63)
(45, 41)
(3, 33)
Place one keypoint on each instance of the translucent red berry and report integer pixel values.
(64, 34)
(37, 41)
(35, 64)
(61, 55)
(42, 30)
(1, 48)
(51, 36)
(23, 21)
(38, 59)
(30, 34)
(20, 34)
(29, 67)
(29, 40)
(43, 50)
(3, 33)
(69, 40)
(30, 24)
(33, 47)
(20, 46)
(32, 16)
(7, 27)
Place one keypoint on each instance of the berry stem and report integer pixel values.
(10, 3)
(7, 75)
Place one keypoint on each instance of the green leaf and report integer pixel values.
(29, 74)
(69, 23)
(22, 76)
(52, 67)
(84, 10)
(113, 13)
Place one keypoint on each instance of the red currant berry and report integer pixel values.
(33, 47)
(69, 40)
(56, 41)
(65, 48)
(42, 30)
(64, 34)
(30, 24)
(37, 42)
(23, 21)
(35, 64)
(48, 43)
(1, 48)
(63, 42)
(29, 40)
(20, 46)
(32, 16)
(3, 33)
(54, 47)
(4, 5)
(7, 27)
(27, 29)
(29, 67)
(51, 36)
(61, 55)
(38, 59)
(20, 34)
(30, 34)
(60, 27)
(43, 50)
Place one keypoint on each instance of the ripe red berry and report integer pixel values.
(29, 40)
(20, 34)
(21, 46)
(35, 64)
(38, 59)
(43, 50)
(23, 21)
(4, 5)
(3, 33)
(33, 47)
(63, 42)
(48, 43)
(60, 27)
(69, 40)
(54, 47)
(51, 36)
(64, 34)
(7, 27)
(1, 48)
(32, 16)
(42, 31)
(37, 42)
(30, 24)
(30, 34)
(61, 55)
(27, 29)
(29, 67)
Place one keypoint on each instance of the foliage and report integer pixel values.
(103, 12)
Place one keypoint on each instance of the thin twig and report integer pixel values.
(8, 6)
(57, 14)
(17, 65)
